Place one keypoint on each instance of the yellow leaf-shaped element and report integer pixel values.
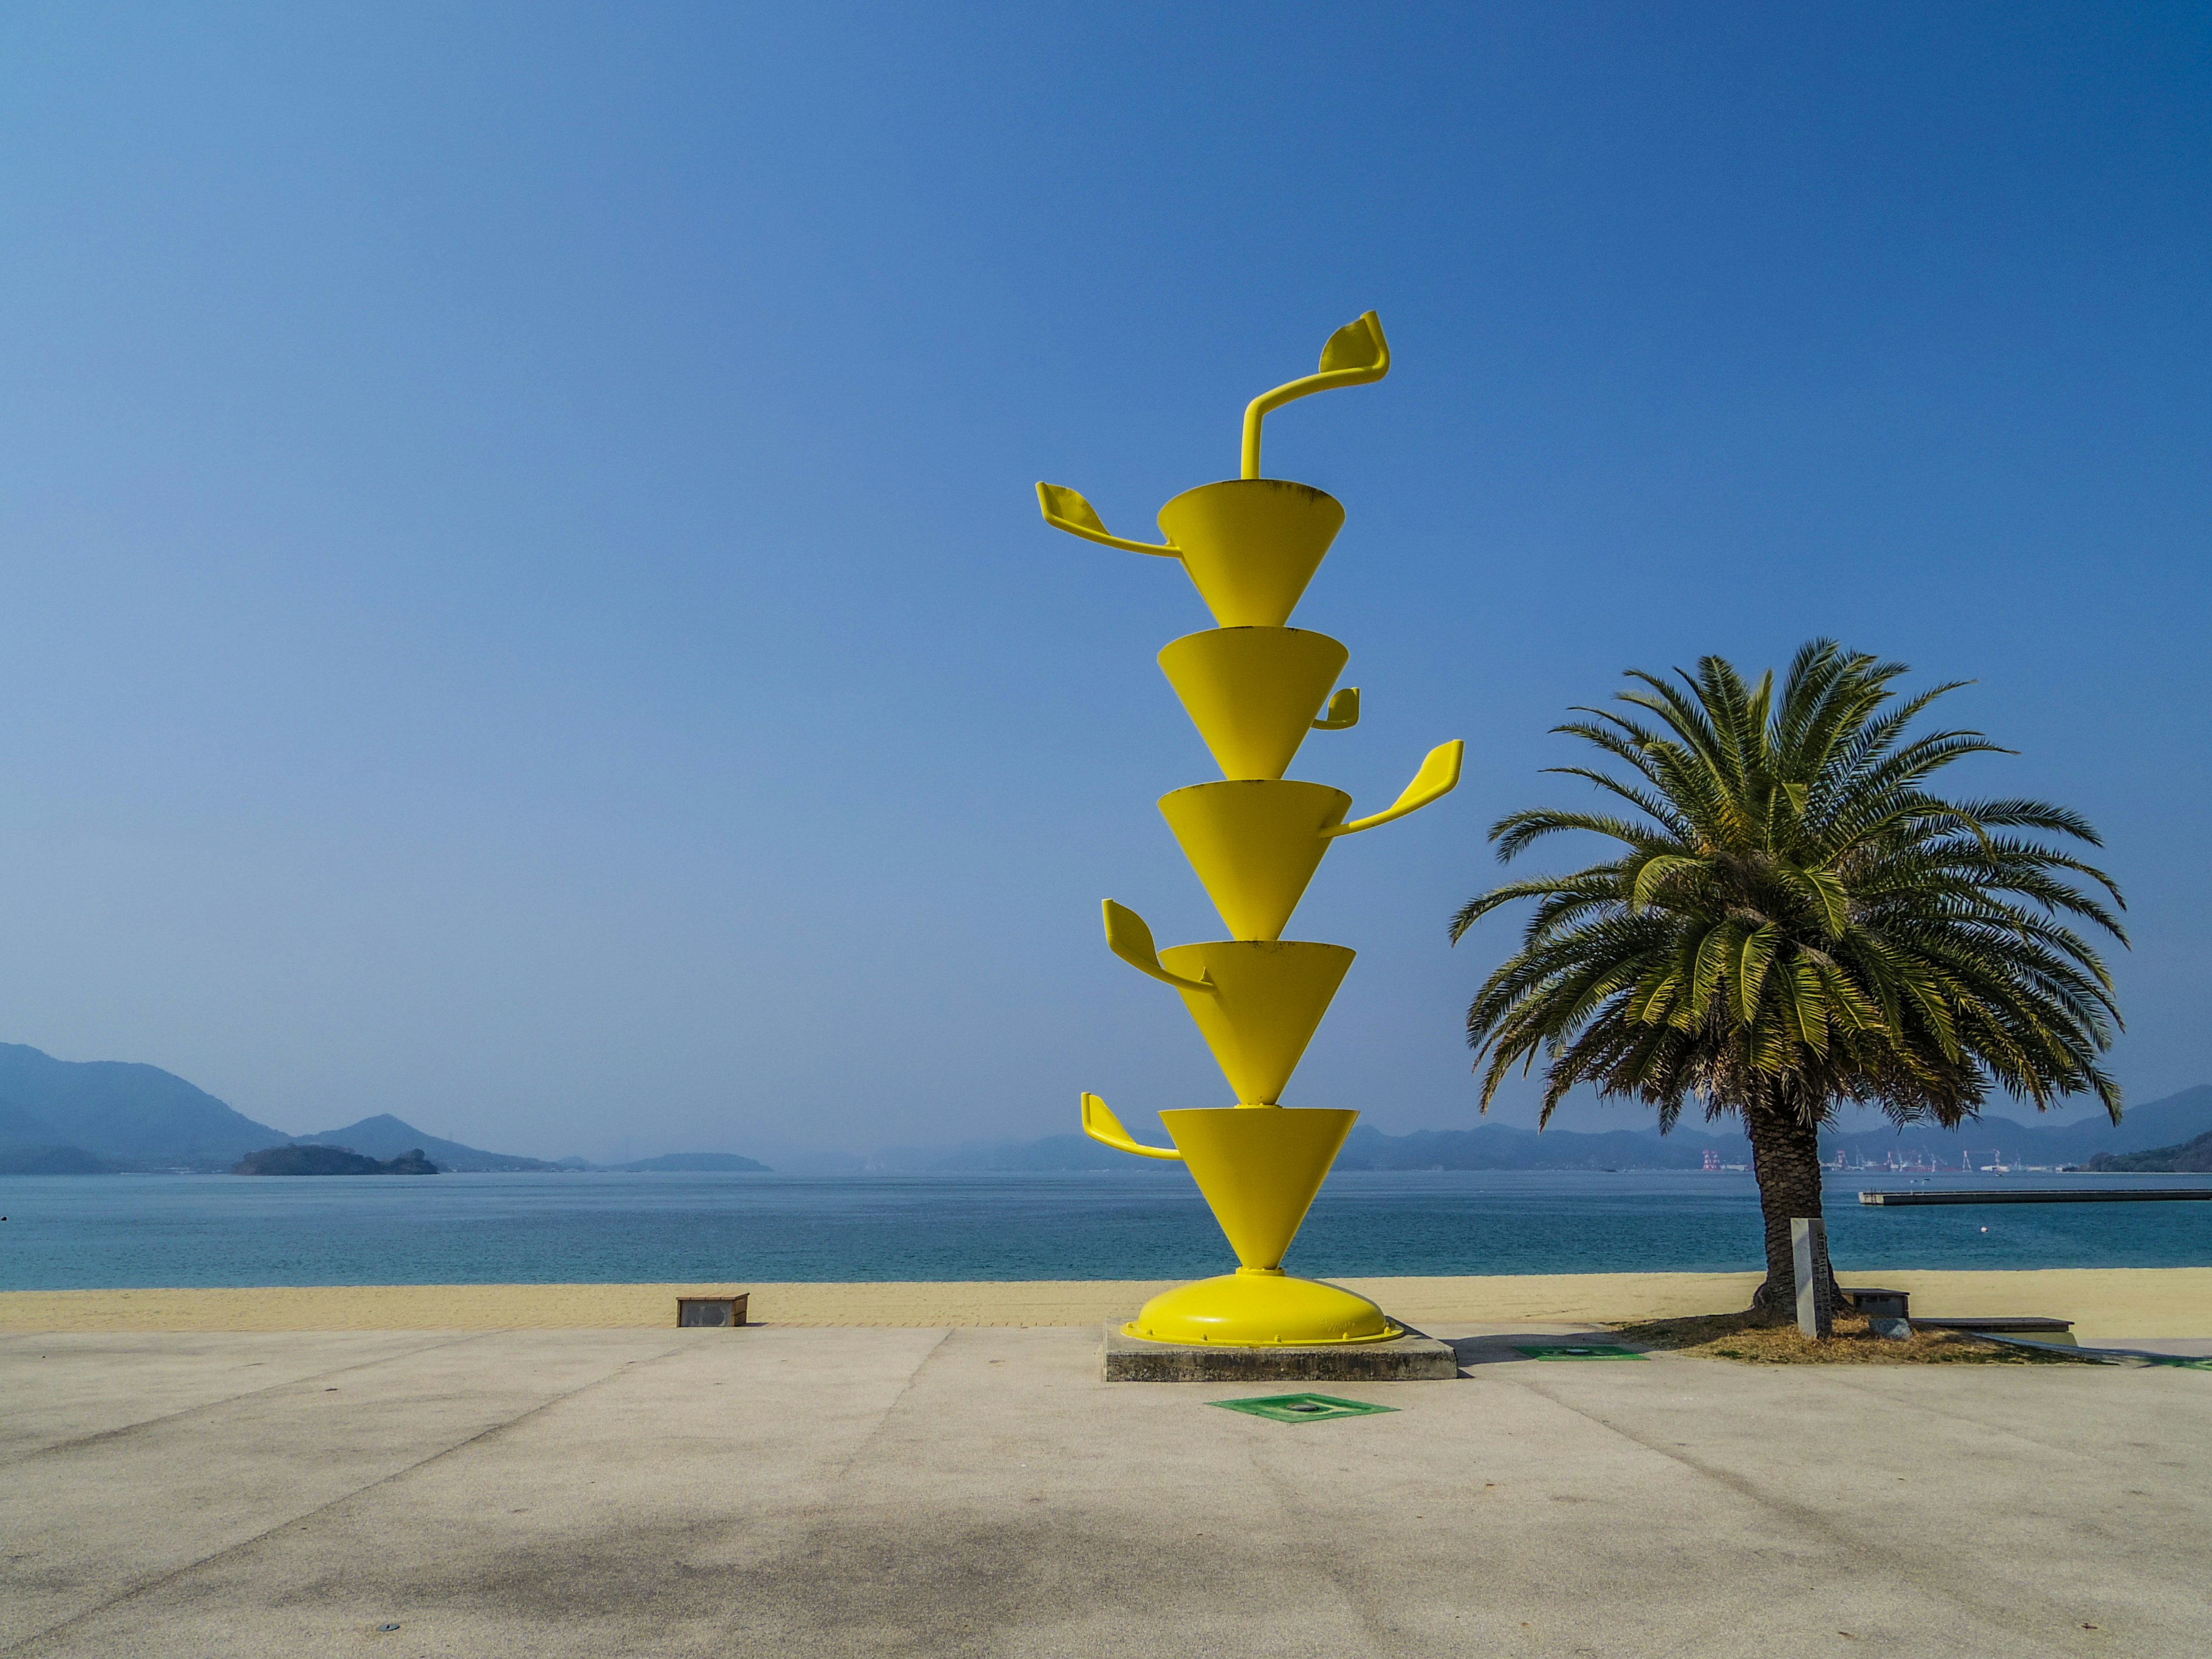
(1128, 937)
(1066, 509)
(1102, 1126)
(1438, 777)
(1358, 344)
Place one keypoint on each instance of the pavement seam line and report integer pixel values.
(1349, 1583)
(814, 1516)
(233, 1399)
(1857, 1386)
(24, 1645)
(890, 1409)
(2000, 1615)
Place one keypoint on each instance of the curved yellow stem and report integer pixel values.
(1355, 355)
(1102, 1126)
(1438, 777)
(1065, 509)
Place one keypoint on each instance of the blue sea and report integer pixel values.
(104, 1231)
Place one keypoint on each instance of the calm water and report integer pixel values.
(65, 1232)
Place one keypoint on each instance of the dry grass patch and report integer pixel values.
(1759, 1340)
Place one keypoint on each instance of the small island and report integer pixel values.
(314, 1160)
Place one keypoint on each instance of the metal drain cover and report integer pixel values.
(1300, 1407)
(1596, 1351)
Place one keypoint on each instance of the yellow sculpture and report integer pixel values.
(1254, 686)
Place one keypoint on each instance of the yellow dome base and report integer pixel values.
(1258, 1309)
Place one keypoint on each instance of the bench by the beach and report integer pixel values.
(717, 1312)
(1891, 1310)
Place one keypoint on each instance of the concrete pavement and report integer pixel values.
(980, 1491)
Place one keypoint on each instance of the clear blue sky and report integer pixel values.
(523, 605)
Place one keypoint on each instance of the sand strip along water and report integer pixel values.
(2106, 1304)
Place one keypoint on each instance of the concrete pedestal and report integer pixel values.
(1412, 1358)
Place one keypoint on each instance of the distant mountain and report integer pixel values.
(384, 1136)
(1073, 1153)
(21, 1128)
(2157, 1123)
(52, 1160)
(303, 1158)
(2193, 1157)
(1502, 1146)
(695, 1163)
(139, 1116)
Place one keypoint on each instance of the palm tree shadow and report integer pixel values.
(1499, 1348)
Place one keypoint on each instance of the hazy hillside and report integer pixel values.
(1499, 1147)
(52, 1160)
(128, 1114)
(313, 1158)
(1502, 1146)
(384, 1136)
(696, 1163)
(84, 1115)
(61, 1116)
(1635, 1146)
(19, 1128)
(2192, 1156)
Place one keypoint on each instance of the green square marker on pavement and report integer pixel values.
(1300, 1407)
(1601, 1351)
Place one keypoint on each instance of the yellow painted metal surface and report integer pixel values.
(1255, 845)
(1355, 355)
(1250, 545)
(1343, 712)
(1128, 937)
(1438, 777)
(1254, 686)
(1101, 1125)
(1253, 692)
(1259, 1005)
(1066, 509)
(1262, 1310)
(1259, 1167)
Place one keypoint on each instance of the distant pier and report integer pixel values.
(2044, 1196)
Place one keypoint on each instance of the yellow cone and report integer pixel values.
(1265, 999)
(1251, 545)
(1259, 1167)
(1253, 692)
(1255, 845)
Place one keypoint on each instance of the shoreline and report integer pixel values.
(2106, 1304)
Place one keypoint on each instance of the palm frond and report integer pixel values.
(1790, 910)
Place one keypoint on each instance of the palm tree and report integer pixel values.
(1797, 922)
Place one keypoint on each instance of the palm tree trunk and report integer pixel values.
(1785, 1159)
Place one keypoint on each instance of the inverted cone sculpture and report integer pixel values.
(1253, 692)
(1255, 846)
(1253, 686)
(1265, 999)
(1251, 545)
(1259, 1167)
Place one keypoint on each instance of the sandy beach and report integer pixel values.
(2105, 1304)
